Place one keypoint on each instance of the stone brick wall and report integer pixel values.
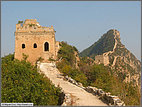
(109, 99)
(99, 59)
(104, 58)
(29, 35)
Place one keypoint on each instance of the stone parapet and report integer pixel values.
(32, 25)
(111, 100)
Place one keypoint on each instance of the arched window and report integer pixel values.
(35, 45)
(46, 46)
(23, 46)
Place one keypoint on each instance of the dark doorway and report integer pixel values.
(35, 45)
(46, 46)
(23, 46)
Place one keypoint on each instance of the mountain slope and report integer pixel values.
(104, 44)
(111, 52)
(97, 75)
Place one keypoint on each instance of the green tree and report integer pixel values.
(22, 83)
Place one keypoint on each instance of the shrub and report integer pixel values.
(20, 22)
(67, 53)
(21, 83)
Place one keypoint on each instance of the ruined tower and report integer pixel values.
(35, 41)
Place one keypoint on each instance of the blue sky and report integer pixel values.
(78, 23)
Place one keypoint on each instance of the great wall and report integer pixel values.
(39, 42)
(74, 94)
(105, 58)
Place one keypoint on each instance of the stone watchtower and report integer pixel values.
(35, 41)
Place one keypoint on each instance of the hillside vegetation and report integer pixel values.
(121, 60)
(21, 83)
(67, 64)
(100, 76)
(104, 44)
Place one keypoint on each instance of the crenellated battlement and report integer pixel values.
(31, 25)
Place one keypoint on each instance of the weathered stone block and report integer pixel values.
(35, 41)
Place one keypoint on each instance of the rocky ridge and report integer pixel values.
(119, 58)
(124, 62)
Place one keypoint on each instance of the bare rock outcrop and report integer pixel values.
(121, 60)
